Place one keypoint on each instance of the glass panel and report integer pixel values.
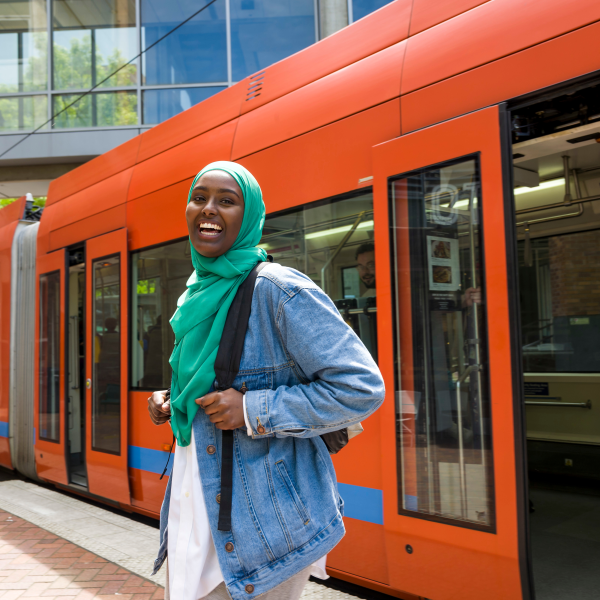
(22, 112)
(266, 31)
(158, 278)
(194, 53)
(332, 242)
(559, 307)
(50, 357)
(72, 59)
(160, 105)
(442, 398)
(362, 8)
(91, 40)
(23, 46)
(106, 378)
(96, 110)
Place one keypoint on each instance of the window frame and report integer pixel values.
(91, 348)
(130, 316)
(490, 473)
(40, 382)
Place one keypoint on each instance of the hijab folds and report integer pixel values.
(202, 309)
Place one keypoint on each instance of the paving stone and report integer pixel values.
(22, 579)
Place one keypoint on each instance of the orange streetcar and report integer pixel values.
(445, 160)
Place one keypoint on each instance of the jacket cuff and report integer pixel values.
(256, 413)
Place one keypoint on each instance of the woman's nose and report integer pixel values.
(210, 208)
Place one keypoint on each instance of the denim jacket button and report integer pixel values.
(260, 429)
(211, 449)
(229, 547)
(218, 498)
(249, 588)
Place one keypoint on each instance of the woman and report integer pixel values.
(306, 373)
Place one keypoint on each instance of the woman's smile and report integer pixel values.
(209, 229)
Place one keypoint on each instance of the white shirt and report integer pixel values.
(194, 569)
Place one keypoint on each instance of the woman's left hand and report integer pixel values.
(224, 409)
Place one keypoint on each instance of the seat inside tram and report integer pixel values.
(556, 158)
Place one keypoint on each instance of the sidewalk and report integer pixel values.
(37, 564)
(54, 545)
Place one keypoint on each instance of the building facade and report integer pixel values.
(144, 60)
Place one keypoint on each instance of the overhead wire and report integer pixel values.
(108, 77)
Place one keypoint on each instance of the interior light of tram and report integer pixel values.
(544, 185)
(342, 229)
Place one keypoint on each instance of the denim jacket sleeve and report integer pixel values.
(341, 384)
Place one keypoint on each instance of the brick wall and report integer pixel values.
(575, 273)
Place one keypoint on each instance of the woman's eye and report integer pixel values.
(198, 199)
(226, 201)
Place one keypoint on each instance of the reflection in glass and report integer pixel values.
(158, 278)
(95, 110)
(362, 8)
(442, 402)
(160, 105)
(332, 242)
(559, 310)
(22, 112)
(50, 357)
(194, 53)
(106, 377)
(72, 56)
(91, 40)
(23, 46)
(266, 31)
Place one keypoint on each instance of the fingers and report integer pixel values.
(209, 399)
(159, 408)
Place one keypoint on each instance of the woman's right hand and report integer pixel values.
(159, 407)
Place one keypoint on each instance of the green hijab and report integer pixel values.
(202, 309)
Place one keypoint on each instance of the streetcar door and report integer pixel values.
(454, 503)
(49, 368)
(106, 366)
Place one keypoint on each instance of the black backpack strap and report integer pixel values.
(227, 365)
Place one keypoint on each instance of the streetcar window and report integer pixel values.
(442, 398)
(332, 242)
(158, 278)
(106, 377)
(50, 357)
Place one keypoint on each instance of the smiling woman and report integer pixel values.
(215, 213)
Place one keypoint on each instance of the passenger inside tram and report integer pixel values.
(556, 154)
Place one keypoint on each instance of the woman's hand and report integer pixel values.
(159, 407)
(224, 409)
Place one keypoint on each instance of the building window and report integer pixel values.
(23, 47)
(194, 53)
(357, 9)
(266, 31)
(95, 110)
(90, 41)
(182, 63)
(22, 112)
(160, 105)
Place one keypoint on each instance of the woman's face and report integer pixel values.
(215, 213)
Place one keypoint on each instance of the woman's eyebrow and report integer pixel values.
(220, 190)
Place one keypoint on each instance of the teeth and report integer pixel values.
(210, 226)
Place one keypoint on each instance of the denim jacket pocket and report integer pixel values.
(283, 473)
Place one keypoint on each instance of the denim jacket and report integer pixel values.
(307, 373)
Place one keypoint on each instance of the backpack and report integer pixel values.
(227, 365)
